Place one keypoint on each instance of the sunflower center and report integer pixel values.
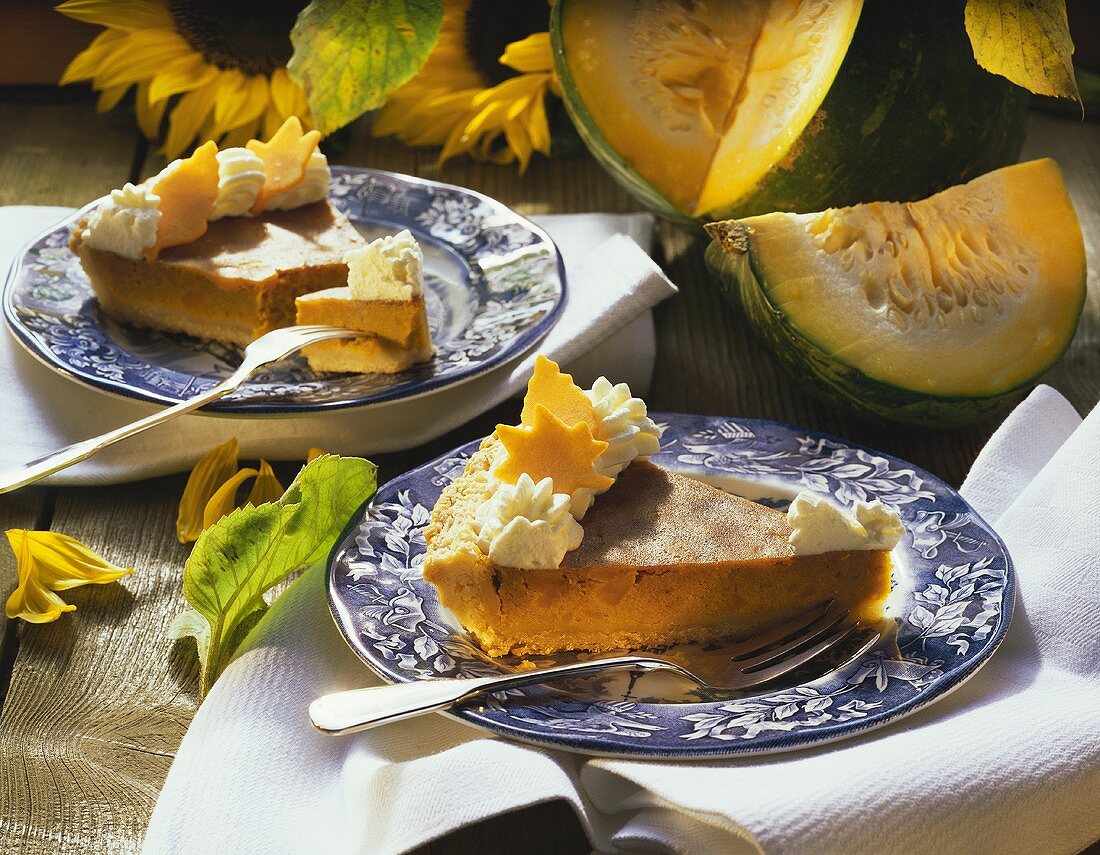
(251, 36)
(492, 25)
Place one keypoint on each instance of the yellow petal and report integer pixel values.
(240, 100)
(149, 113)
(109, 97)
(225, 499)
(239, 136)
(214, 469)
(530, 54)
(314, 453)
(49, 561)
(288, 97)
(139, 56)
(61, 562)
(124, 14)
(182, 74)
(85, 64)
(187, 117)
(538, 126)
(266, 487)
(519, 142)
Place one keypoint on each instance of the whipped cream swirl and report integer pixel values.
(390, 268)
(312, 188)
(817, 526)
(622, 421)
(125, 224)
(527, 525)
(240, 180)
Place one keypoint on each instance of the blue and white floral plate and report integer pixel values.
(952, 602)
(494, 285)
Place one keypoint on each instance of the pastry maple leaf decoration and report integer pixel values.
(187, 193)
(286, 156)
(549, 448)
(557, 392)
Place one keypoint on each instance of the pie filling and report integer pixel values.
(664, 558)
(220, 245)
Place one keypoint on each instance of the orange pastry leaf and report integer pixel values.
(286, 156)
(549, 448)
(187, 193)
(559, 394)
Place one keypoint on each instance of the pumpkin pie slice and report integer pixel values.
(665, 559)
(234, 283)
(384, 298)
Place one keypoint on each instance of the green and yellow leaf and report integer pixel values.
(349, 56)
(243, 555)
(1027, 41)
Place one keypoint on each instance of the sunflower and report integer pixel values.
(487, 79)
(217, 69)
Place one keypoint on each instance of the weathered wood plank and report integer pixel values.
(62, 154)
(1076, 147)
(100, 699)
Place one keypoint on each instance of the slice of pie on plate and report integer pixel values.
(236, 282)
(662, 558)
(384, 298)
(221, 244)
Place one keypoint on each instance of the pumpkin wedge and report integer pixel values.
(730, 108)
(931, 312)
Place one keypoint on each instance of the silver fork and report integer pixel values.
(268, 348)
(740, 666)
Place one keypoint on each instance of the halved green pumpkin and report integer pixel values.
(707, 110)
(928, 312)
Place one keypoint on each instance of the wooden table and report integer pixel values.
(95, 704)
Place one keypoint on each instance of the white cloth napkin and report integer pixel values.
(606, 328)
(1010, 762)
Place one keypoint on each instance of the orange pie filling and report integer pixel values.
(664, 559)
(222, 244)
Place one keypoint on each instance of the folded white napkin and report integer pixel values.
(1010, 762)
(606, 328)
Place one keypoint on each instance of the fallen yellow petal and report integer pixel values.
(266, 487)
(48, 562)
(224, 500)
(211, 472)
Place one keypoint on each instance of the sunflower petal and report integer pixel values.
(288, 97)
(520, 142)
(225, 499)
(538, 126)
(149, 113)
(139, 56)
(182, 74)
(187, 118)
(109, 97)
(240, 136)
(124, 14)
(314, 453)
(49, 561)
(85, 64)
(213, 469)
(63, 562)
(530, 54)
(266, 487)
(231, 97)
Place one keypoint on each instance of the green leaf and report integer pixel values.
(349, 55)
(242, 556)
(1026, 41)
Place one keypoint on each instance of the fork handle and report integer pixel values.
(359, 709)
(55, 461)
